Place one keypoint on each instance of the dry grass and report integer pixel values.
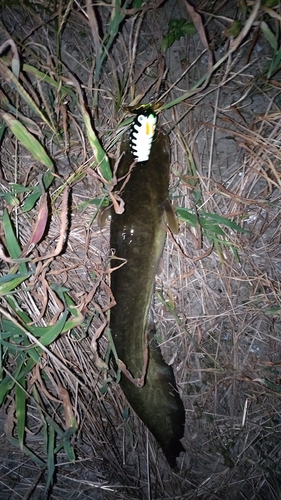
(218, 316)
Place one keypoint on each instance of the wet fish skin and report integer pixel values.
(138, 237)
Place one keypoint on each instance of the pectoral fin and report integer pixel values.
(170, 217)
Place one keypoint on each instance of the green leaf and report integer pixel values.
(208, 221)
(219, 241)
(173, 24)
(63, 90)
(245, 30)
(2, 355)
(126, 413)
(11, 329)
(117, 17)
(28, 140)
(59, 289)
(100, 202)
(77, 319)
(37, 191)
(234, 29)
(13, 283)
(274, 66)
(42, 417)
(18, 311)
(18, 188)
(50, 332)
(186, 216)
(3, 127)
(269, 35)
(177, 29)
(46, 335)
(101, 157)
(50, 459)
(68, 448)
(12, 79)
(8, 383)
(223, 220)
(10, 199)
(272, 310)
(104, 388)
(66, 444)
(12, 242)
(51, 423)
(26, 367)
(20, 399)
(270, 3)
(113, 349)
(271, 385)
(12, 348)
(5, 386)
(77, 316)
(197, 193)
(167, 41)
(188, 29)
(213, 229)
(28, 452)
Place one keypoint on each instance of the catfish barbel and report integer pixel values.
(137, 240)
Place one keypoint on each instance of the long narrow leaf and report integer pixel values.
(37, 191)
(3, 127)
(11, 78)
(12, 244)
(8, 383)
(1, 362)
(42, 417)
(20, 398)
(223, 220)
(47, 334)
(26, 367)
(114, 352)
(68, 448)
(185, 215)
(64, 91)
(29, 453)
(13, 283)
(50, 459)
(101, 157)
(19, 312)
(52, 332)
(28, 140)
(117, 17)
(269, 35)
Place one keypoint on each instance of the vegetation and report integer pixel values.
(68, 72)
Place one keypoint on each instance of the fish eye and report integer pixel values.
(141, 118)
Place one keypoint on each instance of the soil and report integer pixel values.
(217, 300)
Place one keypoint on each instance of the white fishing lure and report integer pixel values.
(141, 135)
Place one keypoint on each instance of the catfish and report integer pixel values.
(137, 238)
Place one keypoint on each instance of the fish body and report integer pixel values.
(137, 238)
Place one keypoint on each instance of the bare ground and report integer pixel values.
(217, 304)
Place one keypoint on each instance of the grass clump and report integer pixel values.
(218, 316)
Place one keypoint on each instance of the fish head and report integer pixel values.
(141, 134)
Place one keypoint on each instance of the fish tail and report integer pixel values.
(158, 403)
